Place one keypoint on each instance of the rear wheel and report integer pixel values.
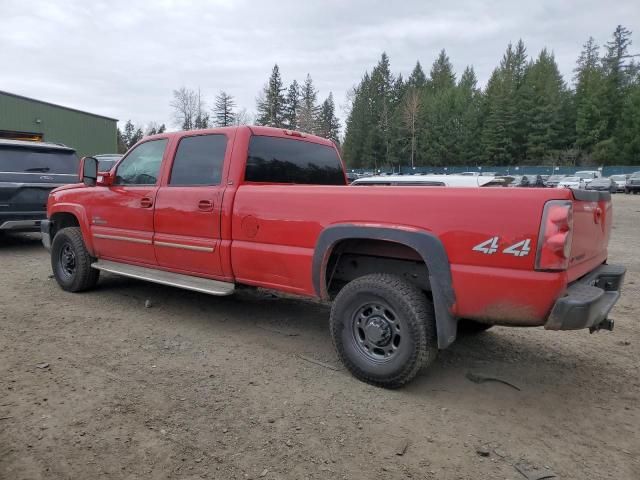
(384, 330)
(71, 262)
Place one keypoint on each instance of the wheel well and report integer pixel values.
(63, 220)
(353, 258)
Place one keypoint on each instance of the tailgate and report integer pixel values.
(592, 217)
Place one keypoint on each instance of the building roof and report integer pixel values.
(55, 105)
(34, 145)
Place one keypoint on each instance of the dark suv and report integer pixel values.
(28, 172)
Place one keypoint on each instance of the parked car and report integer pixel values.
(588, 175)
(527, 181)
(603, 184)
(553, 180)
(633, 183)
(620, 182)
(571, 182)
(106, 161)
(209, 210)
(433, 181)
(28, 172)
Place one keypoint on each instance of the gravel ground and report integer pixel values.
(95, 385)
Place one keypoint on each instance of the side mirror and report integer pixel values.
(89, 171)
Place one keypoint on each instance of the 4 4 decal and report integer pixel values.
(492, 245)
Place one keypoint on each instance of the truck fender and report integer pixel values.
(79, 212)
(428, 246)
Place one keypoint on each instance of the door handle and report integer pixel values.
(146, 202)
(205, 205)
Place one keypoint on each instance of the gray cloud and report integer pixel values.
(123, 59)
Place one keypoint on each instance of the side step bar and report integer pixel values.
(198, 284)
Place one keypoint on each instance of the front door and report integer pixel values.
(187, 209)
(121, 215)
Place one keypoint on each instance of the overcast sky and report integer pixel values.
(123, 58)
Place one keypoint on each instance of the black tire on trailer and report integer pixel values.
(384, 329)
(71, 262)
(471, 327)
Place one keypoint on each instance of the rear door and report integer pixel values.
(121, 215)
(187, 211)
(27, 175)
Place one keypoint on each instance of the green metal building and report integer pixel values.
(23, 118)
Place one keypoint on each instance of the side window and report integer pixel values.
(142, 165)
(199, 160)
(283, 160)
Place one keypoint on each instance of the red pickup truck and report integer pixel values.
(209, 210)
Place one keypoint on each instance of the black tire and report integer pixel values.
(471, 327)
(71, 262)
(384, 329)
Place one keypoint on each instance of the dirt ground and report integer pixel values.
(225, 388)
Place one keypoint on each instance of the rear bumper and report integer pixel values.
(21, 225)
(588, 301)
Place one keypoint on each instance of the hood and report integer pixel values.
(70, 186)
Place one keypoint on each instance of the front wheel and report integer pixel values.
(384, 329)
(71, 261)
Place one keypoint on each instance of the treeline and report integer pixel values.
(297, 107)
(526, 114)
(132, 134)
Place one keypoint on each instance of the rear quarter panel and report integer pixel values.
(275, 229)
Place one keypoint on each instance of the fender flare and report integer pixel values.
(79, 212)
(428, 246)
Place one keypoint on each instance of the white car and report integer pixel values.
(588, 175)
(620, 181)
(572, 182)
(434, 181)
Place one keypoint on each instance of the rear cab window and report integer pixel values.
(292, 161)
(38, 160)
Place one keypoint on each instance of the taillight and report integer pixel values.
(556, 231)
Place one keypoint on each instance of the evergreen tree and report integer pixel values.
(629, 130)
(357, 147)
(543, 93)
(497, 111)
(417, 79)
(617, 76)
(382, 103)
(309, 109)
(223, 112)
(292, 106)
(271, 103)
(469, 102)
(442, 76)
(590, 123)
(328, 123)
(504, 134)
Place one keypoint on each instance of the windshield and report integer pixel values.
(635, 175)
(571, 179)
(555, 178)
(37, 160)
(618, 178)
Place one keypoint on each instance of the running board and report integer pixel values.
(198, 284)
